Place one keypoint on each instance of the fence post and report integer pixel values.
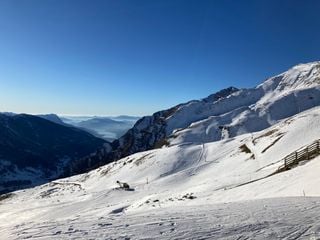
(318, 146)
(285, 163)
(307, 153)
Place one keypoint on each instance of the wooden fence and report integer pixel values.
(306, 153)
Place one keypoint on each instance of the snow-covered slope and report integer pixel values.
(216, 152)
(184, 179)
(214, 166)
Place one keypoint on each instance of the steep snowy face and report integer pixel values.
(247, 110)
(291, 92)
(250, 110)
(198, 110)
(300, 76)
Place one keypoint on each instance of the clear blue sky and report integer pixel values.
(136, 57)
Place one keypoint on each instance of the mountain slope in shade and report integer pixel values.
(53, 118)
(33, 149)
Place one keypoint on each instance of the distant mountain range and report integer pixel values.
(33, 149)
(108, 128)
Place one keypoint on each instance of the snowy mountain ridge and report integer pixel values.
(250, 110)
(225, 114)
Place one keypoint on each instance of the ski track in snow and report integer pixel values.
(279, 218)
(200, 159)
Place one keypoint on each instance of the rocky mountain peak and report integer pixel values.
(220, 94)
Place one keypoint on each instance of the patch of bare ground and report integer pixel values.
(244, 148)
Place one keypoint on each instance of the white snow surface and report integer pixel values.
(202, 185)
(186, 191)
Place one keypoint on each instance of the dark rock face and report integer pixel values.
(32, 146)
(149, 132)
